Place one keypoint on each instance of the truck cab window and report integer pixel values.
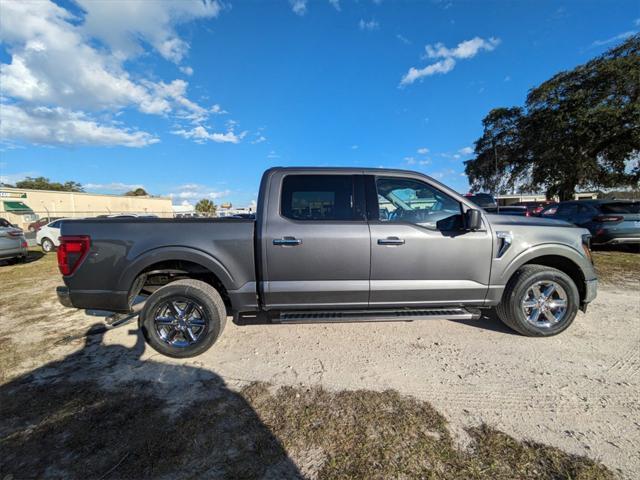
(318, 197)
(412, 201)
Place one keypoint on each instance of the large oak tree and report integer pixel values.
(578, 130)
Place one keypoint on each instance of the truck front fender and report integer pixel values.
(502, 274)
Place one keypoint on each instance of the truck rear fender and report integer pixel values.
(128, 280)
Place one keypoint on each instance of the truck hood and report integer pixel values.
(510, 220)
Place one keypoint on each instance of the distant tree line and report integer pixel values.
(578, 130)
(43, 183)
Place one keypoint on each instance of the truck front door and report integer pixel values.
(315, 242)
(420, 254)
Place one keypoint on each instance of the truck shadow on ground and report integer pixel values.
(103, 413)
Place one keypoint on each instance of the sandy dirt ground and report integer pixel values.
(578, 391)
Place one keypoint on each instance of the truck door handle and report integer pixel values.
(287, 241)
(390, 241)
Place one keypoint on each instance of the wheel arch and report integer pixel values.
(184, 263)
(560, 257)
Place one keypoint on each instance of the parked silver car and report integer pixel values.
(13, 245)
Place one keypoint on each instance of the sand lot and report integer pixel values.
(579, 391)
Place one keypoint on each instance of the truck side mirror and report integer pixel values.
(473, 219)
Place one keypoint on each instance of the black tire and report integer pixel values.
(211, 308)
(510, 309)
(47, 245)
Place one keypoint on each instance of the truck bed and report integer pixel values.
(122, 248)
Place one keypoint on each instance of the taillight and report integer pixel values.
(608, 218)
(15, 233)
(538, 210)
(24, 244)
(71, 253)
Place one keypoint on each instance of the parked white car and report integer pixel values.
(48, 236)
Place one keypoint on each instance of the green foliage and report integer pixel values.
(579, 129)
(138, 192)
(206, 206)
(42, 183)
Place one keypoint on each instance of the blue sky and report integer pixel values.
(196, 99)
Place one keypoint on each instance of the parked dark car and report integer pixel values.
(484, 201)
(611, 222)
(514, 210)
(533, 208)
(329, 245)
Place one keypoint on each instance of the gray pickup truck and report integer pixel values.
(330, 245)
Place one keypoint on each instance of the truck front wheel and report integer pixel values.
(183, 319)
(539, 301)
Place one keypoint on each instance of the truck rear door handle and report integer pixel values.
(390, 241)
(287, 241)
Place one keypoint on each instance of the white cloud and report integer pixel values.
(218, 110)
(196, 191)
(335, 4)
(466, 151)
(355, 147)
(443, 66)
(259, 138)
(272, 154)
(12, 178)
(415, 161)
(423, 151)
(368, 25)
(64, 84)
(122, 25)
(112, 187)
(616, 38)
(59, 126)
(299, 7)
(636, 22)
(200, 135)
(187, 70)
(464, 50)
(403, 39)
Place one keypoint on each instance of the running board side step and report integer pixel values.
(404, 315)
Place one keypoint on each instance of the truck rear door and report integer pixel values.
(315, 241)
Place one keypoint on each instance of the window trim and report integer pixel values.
(357, 191)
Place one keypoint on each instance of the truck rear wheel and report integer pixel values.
(539, 301)
(183, 319)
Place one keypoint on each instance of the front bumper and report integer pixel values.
(63, 297)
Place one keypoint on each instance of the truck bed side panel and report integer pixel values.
(122, 248)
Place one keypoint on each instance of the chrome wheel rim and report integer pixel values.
(47, 245)
(180, 322)
(545, 304)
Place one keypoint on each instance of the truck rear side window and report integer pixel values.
(317, 197)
